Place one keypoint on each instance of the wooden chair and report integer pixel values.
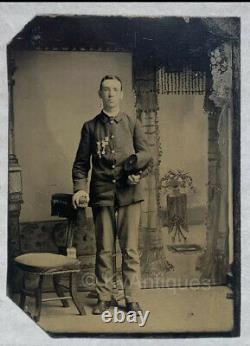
(52, 265)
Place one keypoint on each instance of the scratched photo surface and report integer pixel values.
(154, 238)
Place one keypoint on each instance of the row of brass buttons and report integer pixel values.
(112, 151)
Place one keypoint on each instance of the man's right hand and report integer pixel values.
(80, 199)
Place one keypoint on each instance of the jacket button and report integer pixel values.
(112, 136)
(111, 121)
(113, 151)
(113, 166)
(113, 181)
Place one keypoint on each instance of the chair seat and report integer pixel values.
(46, 262)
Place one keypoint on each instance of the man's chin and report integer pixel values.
(112, 106)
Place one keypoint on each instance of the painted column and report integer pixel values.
(15, 189)
(154, 265)
(215, 261)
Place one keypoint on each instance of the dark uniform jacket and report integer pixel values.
(110, 142)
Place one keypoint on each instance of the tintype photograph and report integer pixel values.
(124, 183)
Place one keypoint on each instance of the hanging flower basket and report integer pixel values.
(176, 182)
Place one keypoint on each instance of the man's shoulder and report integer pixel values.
(130, 120)
(130, 117)
(91, 122)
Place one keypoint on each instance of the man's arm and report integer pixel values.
(141, 146)
(142, 162)
(81, 167)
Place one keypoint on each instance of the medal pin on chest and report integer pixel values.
(101, 146)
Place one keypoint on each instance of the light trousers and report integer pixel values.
(123, 222)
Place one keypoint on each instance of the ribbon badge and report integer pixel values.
(101, 146)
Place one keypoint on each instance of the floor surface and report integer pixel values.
(200, 309)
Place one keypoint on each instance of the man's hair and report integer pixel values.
(108, 77)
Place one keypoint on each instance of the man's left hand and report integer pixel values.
(133, 179)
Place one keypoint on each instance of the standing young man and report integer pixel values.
(120, 156)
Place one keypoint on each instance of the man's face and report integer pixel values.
(111, 93)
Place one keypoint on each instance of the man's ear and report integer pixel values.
(99, 93)
(121, 95)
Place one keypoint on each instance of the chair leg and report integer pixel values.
(22, 300)
(59, 290)
(38, 300)
(22, 294)
(73, 292)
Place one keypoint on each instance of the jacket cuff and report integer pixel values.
(80, 185)
(143, 159)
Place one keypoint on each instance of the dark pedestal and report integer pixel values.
(177, 215)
